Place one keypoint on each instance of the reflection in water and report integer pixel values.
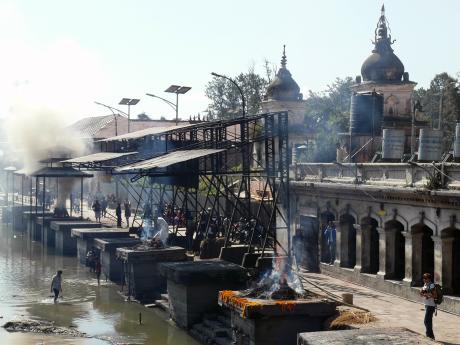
(26, 269)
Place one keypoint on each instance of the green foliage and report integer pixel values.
(226, 102)
(442, 87)
(328, 113)
(434, 181)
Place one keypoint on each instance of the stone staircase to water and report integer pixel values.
(215, 329)
(162, 303)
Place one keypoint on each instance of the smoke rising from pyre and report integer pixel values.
(37, 134)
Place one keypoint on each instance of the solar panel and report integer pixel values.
(183, 89)
(125, 101)
(172, 88)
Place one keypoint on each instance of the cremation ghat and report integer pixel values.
(266, 321)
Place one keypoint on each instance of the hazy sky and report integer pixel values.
(63, 54)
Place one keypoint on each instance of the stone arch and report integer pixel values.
(395, 250)
(350, 211)
(422, 219)
(347, 240)
(369, 245)
(450, 260)
(325, 217)
(422, 252)
(391, 104)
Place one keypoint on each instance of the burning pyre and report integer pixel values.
(280, 288)
(280, 283)
(154, 234)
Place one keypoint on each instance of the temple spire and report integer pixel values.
(283, 58)
(383, 40)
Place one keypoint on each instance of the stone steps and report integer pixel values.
(214, 329)
(163, 303)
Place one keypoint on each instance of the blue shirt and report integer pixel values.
(330, 234)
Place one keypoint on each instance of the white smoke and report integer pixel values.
(45, 90)
(36, 134)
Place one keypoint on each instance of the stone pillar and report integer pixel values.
(383, 253)
(338, 243)
(408, 258)
(413, 254)
(359, 246)
(443, 262)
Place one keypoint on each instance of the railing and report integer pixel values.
(420, 175)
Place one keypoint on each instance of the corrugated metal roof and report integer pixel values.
(90, 126)
(169, 159)
(98, 157)
(20, 172)
(146, 132)
(60, 172)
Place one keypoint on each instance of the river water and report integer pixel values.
(26, 269)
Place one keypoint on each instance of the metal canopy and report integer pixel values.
(169, 159)
(146, 132)
(20, 172)
(98, 157)
(60, 172)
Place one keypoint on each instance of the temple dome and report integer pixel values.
(283, 87)
(382, 65)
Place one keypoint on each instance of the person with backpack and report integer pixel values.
(430, 296)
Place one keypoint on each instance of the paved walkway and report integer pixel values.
(390, 311)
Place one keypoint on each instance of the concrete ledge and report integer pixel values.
(233, 254)
(450, 304)
(375, 336)
(200, 271)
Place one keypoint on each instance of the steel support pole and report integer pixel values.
(129, 117)
(81, 198)
(177, 108)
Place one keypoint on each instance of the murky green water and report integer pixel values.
(26, 270)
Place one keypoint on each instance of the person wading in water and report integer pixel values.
(56, 285)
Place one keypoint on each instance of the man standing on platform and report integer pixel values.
(330, 236)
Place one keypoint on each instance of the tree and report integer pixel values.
(327, 115)
(226, 102)
(443, 89)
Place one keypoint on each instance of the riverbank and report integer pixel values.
(97, 310)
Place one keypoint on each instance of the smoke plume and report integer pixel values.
(36, 134)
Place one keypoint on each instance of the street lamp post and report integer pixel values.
(177, 90)
(129, 102)
(441, 100)
(113, 113)
(237, 86)
(417, 107)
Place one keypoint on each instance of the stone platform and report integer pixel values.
(142, 273)
(19, 222)
(193, 287)
(111, 267)
(375, 336)
(65, 243)
(42, 224)
(86, 236)
(30, 218)
(262, 321)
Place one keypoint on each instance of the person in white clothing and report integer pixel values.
(56, 285)
(428, 292)
(160, 229)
